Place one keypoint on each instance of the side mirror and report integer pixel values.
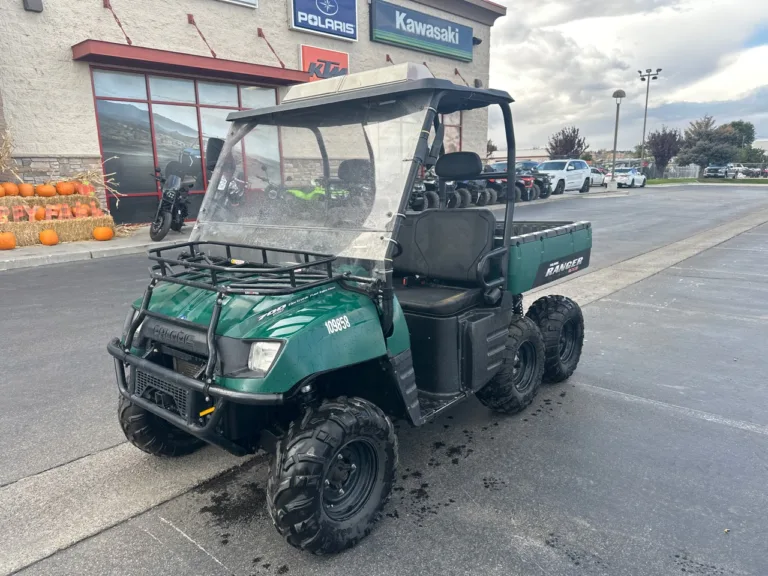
(212, 152)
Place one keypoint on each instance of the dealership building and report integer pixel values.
(134, 84)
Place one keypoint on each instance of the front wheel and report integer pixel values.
(517, 382)
(452, 200)
(544, 191)
(153, 435)
(632, 184)
(332, 475)
(643, 184)
(562, 326)
(431, 200)
(482, 198)
(536, 192)
(465, 197)
(160, 226)
(585, 186)
(493, 196)
(560, 188)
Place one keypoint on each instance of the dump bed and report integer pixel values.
(542, 252)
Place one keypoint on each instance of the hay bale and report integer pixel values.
(29, 201)
(74, 230)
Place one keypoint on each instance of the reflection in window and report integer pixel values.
(177, 141)
(215, 94)
(125, 133)
(262, 156)
(119, 85)
(167, 89)
(214, 124)
(256, 97)
(452, 139)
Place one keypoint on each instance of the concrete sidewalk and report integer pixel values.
(139, 241)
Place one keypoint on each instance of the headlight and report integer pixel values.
(263, 355)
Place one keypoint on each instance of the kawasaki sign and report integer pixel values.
(336, 18)
(400, 26)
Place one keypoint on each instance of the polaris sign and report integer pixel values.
(391, 24)
(336, 18)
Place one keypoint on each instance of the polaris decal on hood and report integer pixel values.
(556, 269)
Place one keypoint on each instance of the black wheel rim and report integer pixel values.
(567, 341)
(157, 225)
(350, 480)
(524, 368)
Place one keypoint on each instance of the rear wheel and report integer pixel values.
(562, 326)
(332, 475)
(544, 191)
(482, 198)
(431, 200)
(560, 188)
(493, 196)
(518, 193)
(643, 184)
(465, 198)
(632, 183)
(536, 192)
(516, 384)
(452, 199)
(154, 435)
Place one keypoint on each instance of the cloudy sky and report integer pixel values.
(562, 59)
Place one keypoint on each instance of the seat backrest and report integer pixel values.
(459, 166)
(357, 171)
(445, 244)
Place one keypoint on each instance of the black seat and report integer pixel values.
(443, 247)
(436, 300)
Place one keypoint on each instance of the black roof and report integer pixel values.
(455, 98)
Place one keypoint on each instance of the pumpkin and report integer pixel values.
(10, 189)
(7, 241)
(103, 233)
(2, 191)
(26, 190)
(49, 237)
(65, 188)
(84, 189)
(81, 211)
(39, 213)
(45, 190)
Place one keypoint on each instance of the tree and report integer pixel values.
(491, 148)
(745, 131)
(567, 143)
(699, 129)
(751, 156)
(664, 145)
(637, 151)
(705, 144)
(587, 156)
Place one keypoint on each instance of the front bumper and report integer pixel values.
(191, 422)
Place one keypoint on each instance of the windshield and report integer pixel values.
(499, 167)
(552, 166)
(623, 170)
(332, 186)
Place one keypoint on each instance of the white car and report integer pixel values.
(567, 175)
(598, 178)
(630, 177)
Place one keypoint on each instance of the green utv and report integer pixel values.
(305, 330)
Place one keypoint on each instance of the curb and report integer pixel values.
(720, 185)
(79, 254)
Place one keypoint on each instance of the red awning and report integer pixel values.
(98, 52)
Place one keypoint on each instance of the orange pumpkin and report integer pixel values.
(81, 211)
(49, 237)
(39, 213)
(11, 189)
(45, 190)
(2, 191)
(26, 190)
(7, 241)
(65, 188)
(103, 233)
(84, 189)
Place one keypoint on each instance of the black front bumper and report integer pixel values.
(220, 396)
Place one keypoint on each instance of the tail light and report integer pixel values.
(528, 181)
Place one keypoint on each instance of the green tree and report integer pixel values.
(567, 143)
(699, 129)
(491, 148)
(664, 145)
(586, 156)
(637, 151)
(745, 131)
(705, 144)
(751, 156)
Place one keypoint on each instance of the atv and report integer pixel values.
(306, 333)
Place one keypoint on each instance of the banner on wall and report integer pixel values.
(323, 64)
(336, 18)
(392, 24)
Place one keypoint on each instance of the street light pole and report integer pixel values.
(647, 77)
(618, 95)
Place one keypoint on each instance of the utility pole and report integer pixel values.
(646, 77)
(618, 95)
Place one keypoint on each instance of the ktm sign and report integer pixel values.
(323, 64)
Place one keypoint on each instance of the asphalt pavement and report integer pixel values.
(651, 460)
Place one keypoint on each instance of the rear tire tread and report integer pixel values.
(550, 314)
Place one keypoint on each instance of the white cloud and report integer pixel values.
(562, 59)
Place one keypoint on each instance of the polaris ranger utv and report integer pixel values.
(305, 332)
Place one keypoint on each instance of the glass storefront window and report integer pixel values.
(452, 138)
(169, 127)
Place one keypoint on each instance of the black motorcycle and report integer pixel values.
(174, 204)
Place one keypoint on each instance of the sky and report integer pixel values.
(561, 61)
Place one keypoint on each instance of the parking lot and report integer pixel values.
(651, 460)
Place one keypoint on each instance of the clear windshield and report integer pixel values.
(332, 186)
(552, 166)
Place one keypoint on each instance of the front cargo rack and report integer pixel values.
(213, 266)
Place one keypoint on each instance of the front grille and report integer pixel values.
(146, 382)
(191, 369)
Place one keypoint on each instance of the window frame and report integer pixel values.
(196, 105)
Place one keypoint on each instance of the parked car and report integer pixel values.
(719, 171)
(736, 168)
(598, 178)
(567, 175)
(630, 177)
